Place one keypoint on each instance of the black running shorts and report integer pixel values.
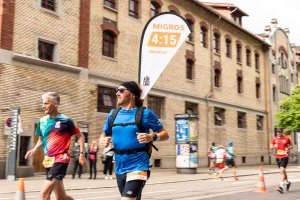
(230, 162)
(282, 162)
(132, 189)
(57, 171)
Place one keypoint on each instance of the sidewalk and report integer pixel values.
(157, 176)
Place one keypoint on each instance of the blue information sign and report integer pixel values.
(182, 130)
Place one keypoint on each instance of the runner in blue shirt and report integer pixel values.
(131, 157)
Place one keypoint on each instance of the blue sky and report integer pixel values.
(262, 11)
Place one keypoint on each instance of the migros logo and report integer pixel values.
(174, 27)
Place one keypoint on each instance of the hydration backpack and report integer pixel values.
(138, 123)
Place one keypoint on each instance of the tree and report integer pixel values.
(289, 116)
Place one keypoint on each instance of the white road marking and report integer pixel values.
(71, 193)
(241, 182)
(144, 193)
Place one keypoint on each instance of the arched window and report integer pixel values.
(257, 65)
(238, 52)
(154, 8)
(203, 38)
(191, 26)
(239, 84)
(228, 47)
(189, 69)
(216, 38)
(134, 8)
(173, 9)
(248, 57)
(239, 79)
(108, 44)
(217, 78)
(257, 86)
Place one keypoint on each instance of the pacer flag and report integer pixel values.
(162, 36)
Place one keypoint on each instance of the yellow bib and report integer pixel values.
(48, 161)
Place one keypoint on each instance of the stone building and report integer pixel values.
(283, 75)
(84, 49)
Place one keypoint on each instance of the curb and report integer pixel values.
(184, 179)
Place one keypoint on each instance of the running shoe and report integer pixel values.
(280, 189)
(218, 177)
(288, 185)
(236, 178)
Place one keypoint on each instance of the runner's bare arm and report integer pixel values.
(290, 146)
(82, 159)
(163, 134)
(36, 146)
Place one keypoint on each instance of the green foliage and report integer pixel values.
(289, 116)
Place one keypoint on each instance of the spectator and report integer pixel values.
(93, 149)
(76, 155)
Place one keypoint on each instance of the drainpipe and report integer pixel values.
(211, 92)
(270, 113)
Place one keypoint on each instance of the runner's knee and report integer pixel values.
(45, 195)
(282, 170)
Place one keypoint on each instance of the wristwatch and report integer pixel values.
(154, 136)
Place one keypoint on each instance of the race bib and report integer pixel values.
(281, 152)
(137, 175)
(48, 161)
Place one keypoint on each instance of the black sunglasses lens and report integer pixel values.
(120, 90)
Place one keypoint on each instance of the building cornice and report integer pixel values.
(44, 63)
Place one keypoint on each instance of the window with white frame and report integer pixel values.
(46, 50)
(49, 4)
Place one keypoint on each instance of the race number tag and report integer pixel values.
(281, 152)
(137, 175)
(48, 161)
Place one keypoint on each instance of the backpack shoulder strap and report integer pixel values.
(138, 122)
(112, 118)
(138, 118)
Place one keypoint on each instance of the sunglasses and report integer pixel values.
(121, 90)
